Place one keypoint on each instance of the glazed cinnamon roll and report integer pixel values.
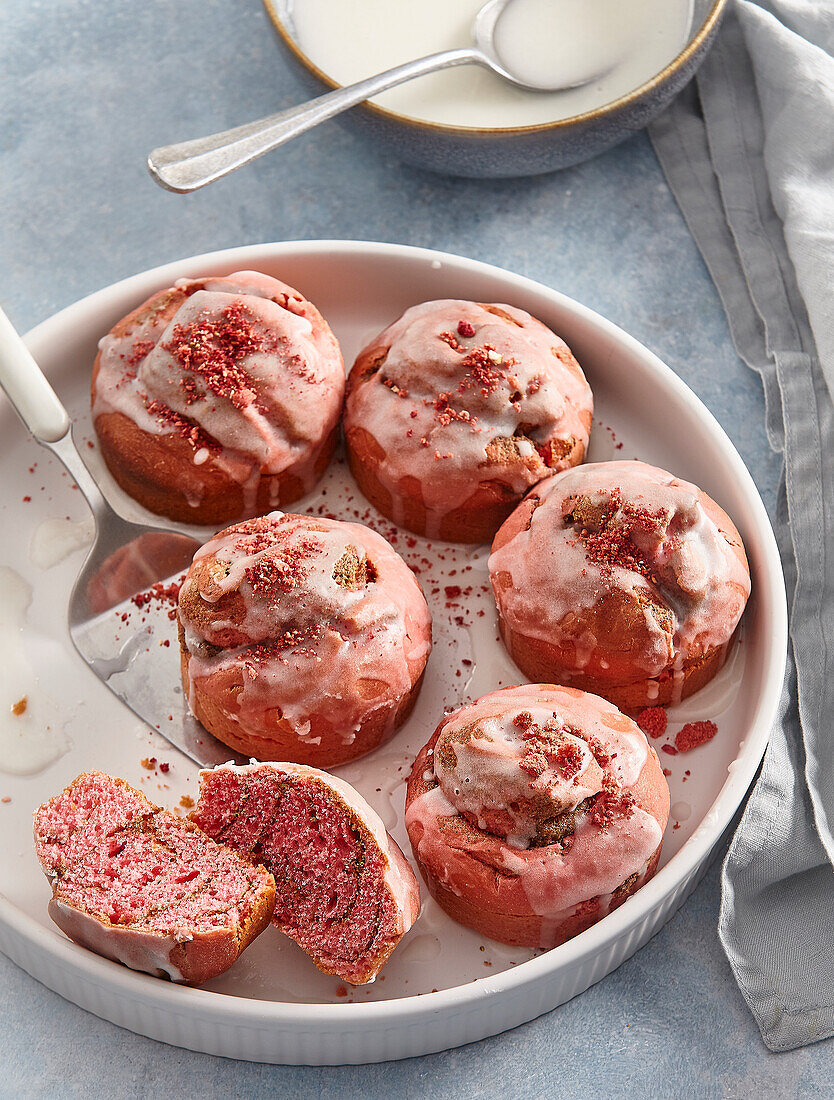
(302, 639)
(621, 579)
(534, 812)
(456, 410)
(218, 398)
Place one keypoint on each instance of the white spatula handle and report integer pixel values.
(26, 387)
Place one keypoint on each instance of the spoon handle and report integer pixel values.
(40, 409)
(192, 164)
(26, 387)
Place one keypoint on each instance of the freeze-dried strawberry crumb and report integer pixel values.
(694, 734)
(652, 721)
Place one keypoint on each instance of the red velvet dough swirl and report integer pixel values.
(345, 892)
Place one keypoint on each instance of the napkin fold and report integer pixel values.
(748, 151)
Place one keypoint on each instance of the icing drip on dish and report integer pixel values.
(324, 618)
(630, 528)
(603, 837)
(466, 392)
(32, 723)
(242, 367)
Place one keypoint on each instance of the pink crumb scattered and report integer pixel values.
(694, 734)
(652, 721)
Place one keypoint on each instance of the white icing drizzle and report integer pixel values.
(543, 574)
(554, 878)
(292, 398)
(354, 650)
(140, 949)
(489, 783)
(539, 393)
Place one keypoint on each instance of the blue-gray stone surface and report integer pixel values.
(86, 90)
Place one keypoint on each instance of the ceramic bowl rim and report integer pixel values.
(692, 46)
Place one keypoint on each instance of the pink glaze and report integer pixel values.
(510, 773)
(346, 893)
(530, 391)
(553, 881)
(294, 380)
(140, 886)
(698, 573)
(149, 952)
(309, 645)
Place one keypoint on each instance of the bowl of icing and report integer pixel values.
(468, 121)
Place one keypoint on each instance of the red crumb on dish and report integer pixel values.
(652, 721)
(466, 328)
(160, 592)
(164, 768)
(149, 763)
(694, 734)
(19, 707)
(670, 749)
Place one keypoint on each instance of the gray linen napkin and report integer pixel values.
(748, 151)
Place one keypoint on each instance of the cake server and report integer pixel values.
(122, 629)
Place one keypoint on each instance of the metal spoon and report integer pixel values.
(137, 662)
(190, 165)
